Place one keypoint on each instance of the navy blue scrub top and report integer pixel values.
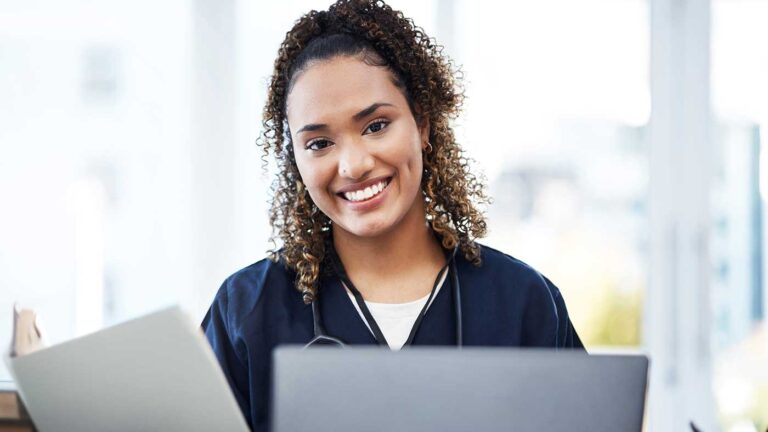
(504, 302)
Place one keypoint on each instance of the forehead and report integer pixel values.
(340, 87)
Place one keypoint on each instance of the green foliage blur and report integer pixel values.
(616, 319)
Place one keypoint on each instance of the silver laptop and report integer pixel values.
(444, 390)
(154, 373)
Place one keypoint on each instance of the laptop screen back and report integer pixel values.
(444, 389)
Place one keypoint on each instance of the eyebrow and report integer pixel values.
(357, 117)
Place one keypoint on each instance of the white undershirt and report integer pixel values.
(395, 319)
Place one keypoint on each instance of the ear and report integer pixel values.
(424, 132)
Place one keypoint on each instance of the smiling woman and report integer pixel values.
(373, 92)
(358, 150)
(376, 210)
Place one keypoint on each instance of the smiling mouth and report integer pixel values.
(367, 193)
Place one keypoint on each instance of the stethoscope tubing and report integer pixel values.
(322, 338)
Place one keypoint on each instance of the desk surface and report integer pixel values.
(13, 415)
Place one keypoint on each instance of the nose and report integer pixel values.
(355, 161)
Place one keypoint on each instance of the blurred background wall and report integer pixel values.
(622, 140)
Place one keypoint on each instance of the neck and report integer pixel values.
(384, 267)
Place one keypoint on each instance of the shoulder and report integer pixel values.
(246, 289)
(504, 267)
(537, 301)
(251, 281)
(511, 277)
(496, 260)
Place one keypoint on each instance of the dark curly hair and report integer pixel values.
(380, 36)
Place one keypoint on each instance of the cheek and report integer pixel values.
(403, 149)
(305, 165)
(315, 175)
(409, 156)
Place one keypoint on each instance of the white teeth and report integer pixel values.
(367, 193)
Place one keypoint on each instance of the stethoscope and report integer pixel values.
(323, 338)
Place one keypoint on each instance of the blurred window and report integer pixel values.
(739, 301)
(558, 103)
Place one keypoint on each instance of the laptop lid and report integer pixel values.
(444, 389)
(154, 373)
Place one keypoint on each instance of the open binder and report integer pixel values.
(156, 372)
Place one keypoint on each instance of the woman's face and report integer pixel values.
(357, 145)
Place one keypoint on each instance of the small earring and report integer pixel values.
(307, 296)
(428, 149)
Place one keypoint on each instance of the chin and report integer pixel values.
(366, 229)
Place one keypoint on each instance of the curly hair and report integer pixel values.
(380, 36)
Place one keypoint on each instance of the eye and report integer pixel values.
(377, 126)
(318, 144)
